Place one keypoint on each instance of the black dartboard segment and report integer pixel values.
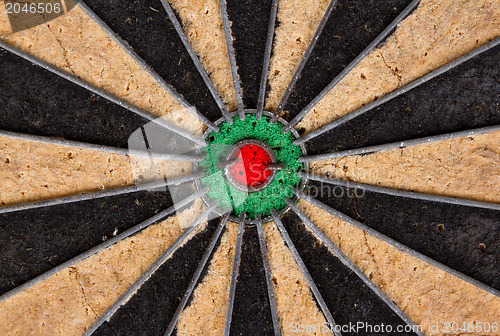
(151, 309)
(249, 25)
(39, 102)
(465, 97)
(351, 27)
(348, 298)
(146, 27)
(37, 240)
(251, 312)
(461, 237)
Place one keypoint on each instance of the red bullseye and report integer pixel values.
(248, 168)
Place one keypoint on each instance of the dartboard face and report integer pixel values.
(225, 167)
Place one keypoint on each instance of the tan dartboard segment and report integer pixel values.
(202, 23)
(298, 21)
(207, 311)
(32, 171)
(294, 300)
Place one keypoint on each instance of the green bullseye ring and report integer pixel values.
(234, 199)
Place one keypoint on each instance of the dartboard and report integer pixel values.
(273, 167)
